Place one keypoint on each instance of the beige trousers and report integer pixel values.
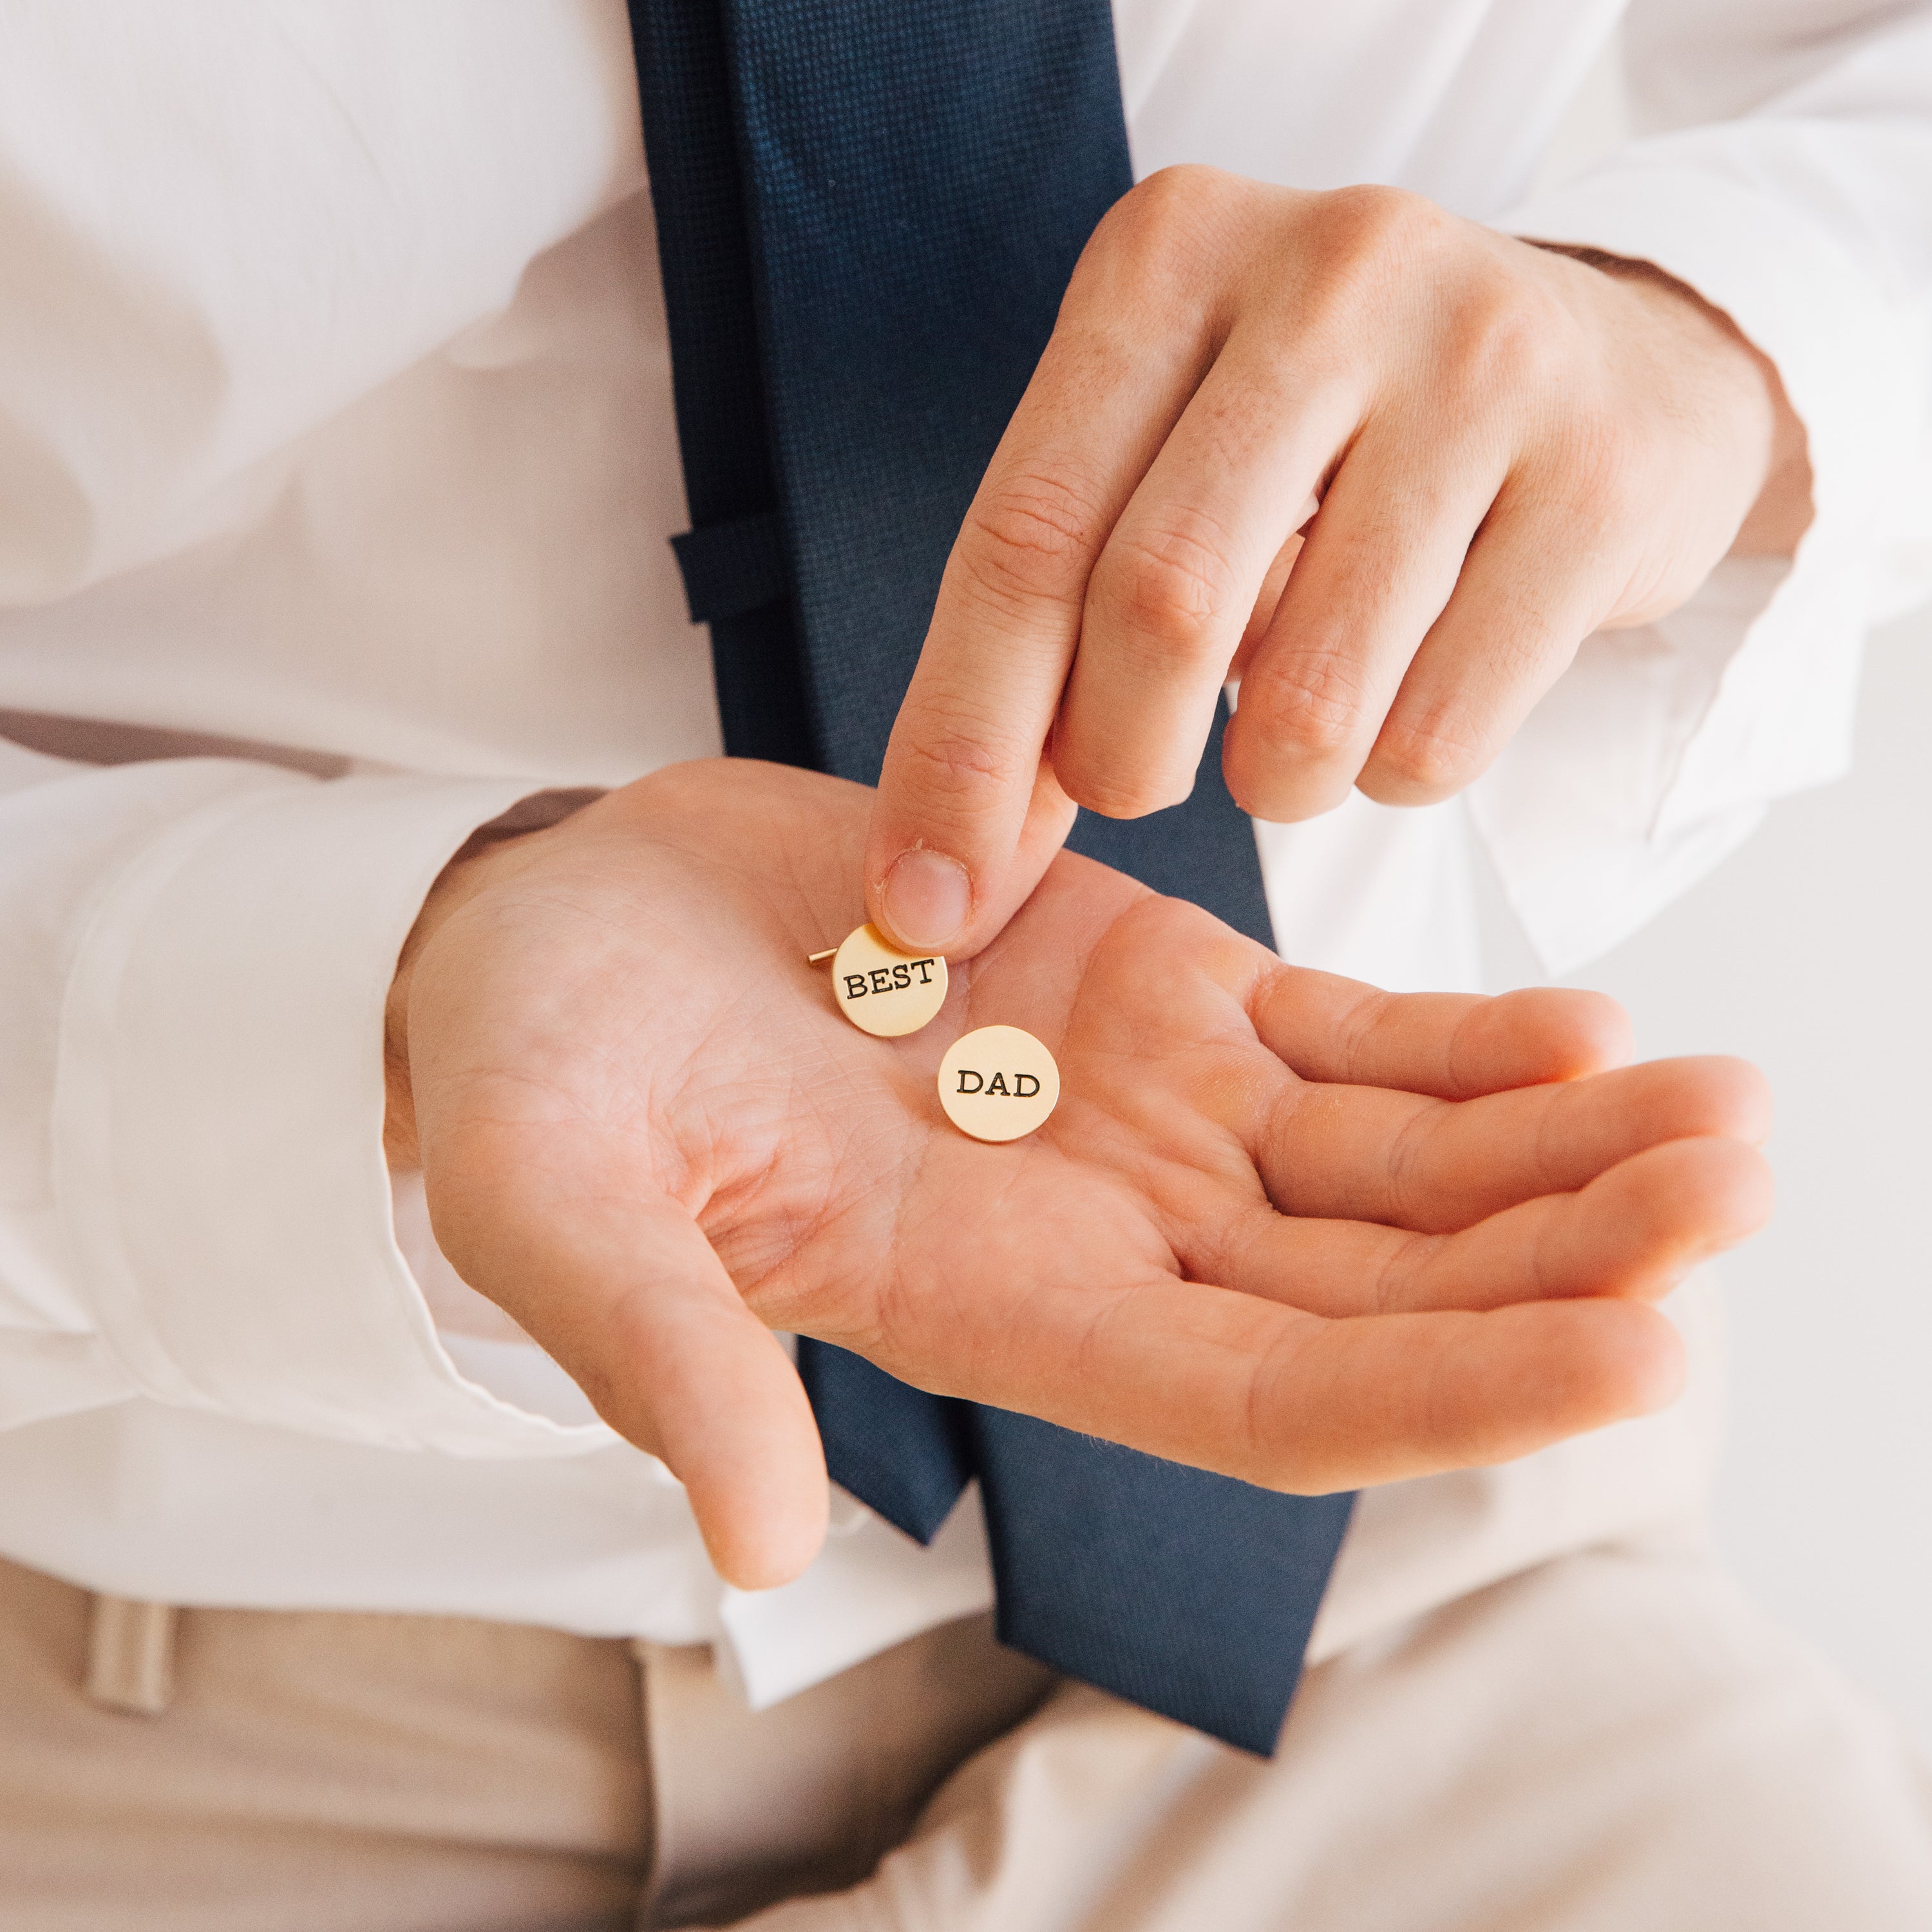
(1611, 1742)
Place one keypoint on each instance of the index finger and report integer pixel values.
(947, 862)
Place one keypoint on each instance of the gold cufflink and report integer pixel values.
(881, 990)
(998, 1083)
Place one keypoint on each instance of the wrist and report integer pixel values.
(502, 845)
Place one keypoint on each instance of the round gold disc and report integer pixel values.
(883, 991)
(997, 1083)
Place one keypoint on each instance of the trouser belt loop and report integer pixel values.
(130, 1655)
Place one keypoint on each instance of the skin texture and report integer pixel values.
(1282, 1225)
(1511, 446)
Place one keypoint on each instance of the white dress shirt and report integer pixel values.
(336, 448)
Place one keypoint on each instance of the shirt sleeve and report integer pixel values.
(167, 243)
(194, 1205)
(1782, 167)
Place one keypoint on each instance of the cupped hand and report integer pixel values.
(1510, 449)
(1281, 1225)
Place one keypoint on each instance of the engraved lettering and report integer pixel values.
(901, 978)
(1025, 1085)
(998, 1084)
(966, 1073)
(855, 986)
(882, 978)
(920, 966)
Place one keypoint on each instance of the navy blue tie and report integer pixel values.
(867, 212)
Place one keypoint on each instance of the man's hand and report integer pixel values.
(1281, 1225)
(1511, 448)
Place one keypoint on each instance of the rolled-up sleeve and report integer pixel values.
(1783, 168)
(196, 1205)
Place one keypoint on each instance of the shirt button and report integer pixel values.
(997, 1083)
(883, 991)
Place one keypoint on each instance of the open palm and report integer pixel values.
(1281, 1225)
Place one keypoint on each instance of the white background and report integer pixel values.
(1807, 952)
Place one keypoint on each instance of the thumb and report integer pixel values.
(621, 1288)
(941, 879)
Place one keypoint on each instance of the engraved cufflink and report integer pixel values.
(998, 1083)
(881, 990)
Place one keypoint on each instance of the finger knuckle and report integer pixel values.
(959, 759)
(1512, 338)
(1174, 585)
(1156, 250)
(1314, 710)
(1114, 794)
(1277, 1461)
(1170, 207)
(1369, 230)
(1356, 249)
(1431, 757)
(1028, 540)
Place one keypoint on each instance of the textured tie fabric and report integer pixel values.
(867, 212)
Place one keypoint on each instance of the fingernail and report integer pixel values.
(926, 898)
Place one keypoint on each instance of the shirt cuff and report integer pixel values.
(218, 1118)
(1656, 753)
